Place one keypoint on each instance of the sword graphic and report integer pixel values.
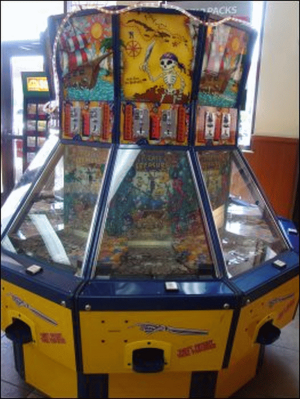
(19, 302)
(148, 54)
(150, 328)
(280, 299)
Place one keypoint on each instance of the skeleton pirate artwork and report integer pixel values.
(157, 57)
(168, 63)
(157, 63)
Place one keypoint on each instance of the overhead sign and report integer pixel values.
(222, 8)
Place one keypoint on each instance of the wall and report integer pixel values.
(275, 156)
(278, 93)
(274, 161)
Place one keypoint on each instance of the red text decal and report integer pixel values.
(288, 306)
(52, 338)
(197, 348)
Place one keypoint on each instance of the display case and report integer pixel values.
(142, 258)
(35, 119)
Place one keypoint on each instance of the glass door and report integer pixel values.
(16, 57)
(21, 26)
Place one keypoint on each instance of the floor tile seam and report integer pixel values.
(18, 386)
(285, 347)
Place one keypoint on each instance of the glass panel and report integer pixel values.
(154, 225)
(22, 188)
(55, 229)
(247, 231)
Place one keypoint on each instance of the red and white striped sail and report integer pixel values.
(73, 43)
(72, 61)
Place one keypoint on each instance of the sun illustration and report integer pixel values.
(96, 30)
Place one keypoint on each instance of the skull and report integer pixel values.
(167, 64)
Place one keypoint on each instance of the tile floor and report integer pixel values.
(278, 378)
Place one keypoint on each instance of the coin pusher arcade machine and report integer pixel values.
(140, 258)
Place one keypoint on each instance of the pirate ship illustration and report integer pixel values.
(80, 60)
(223, 60)
(85, 75)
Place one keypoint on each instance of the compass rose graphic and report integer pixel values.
(133, 48)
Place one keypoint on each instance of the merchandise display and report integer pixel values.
(35, 119)
(140, 257)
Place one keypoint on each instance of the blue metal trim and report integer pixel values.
(293, 239)
(61, 289)
(231, 335)
(138, 303)
(208, 212)
(193, 121)
(82, 385)
(203, 384)
(234, 321)
(199, 57)
(263, 279)
(196, 78)
(251, 43)
(117, 77)
(77, 334)
(237, 127)
(100, 212)
(128, 295)
(153, 147)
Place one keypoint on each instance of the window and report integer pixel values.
(26, 20)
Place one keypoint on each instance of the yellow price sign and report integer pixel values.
(37, 84)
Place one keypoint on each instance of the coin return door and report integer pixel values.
(141, 123)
